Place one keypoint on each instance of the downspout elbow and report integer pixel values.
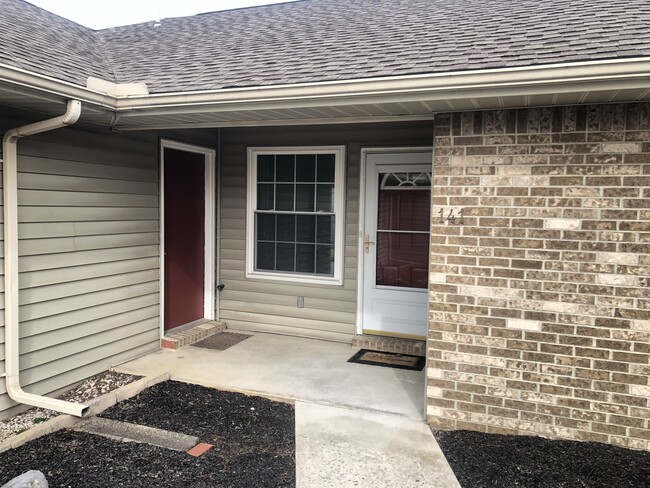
(72, 114)
(12, 339)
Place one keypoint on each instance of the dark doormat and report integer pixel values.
(221, 341)
(388, 360)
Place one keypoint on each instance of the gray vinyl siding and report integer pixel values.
(89, 256)
(270, 306)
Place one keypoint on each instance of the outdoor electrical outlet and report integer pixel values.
(301, 302)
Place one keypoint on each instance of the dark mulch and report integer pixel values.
(501, 461)
(253, 438)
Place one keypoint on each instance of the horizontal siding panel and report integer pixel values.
(233, 202)
(36, 198)
(303, 289)
(78, 273)
(234, 264)
(233, 191)
(233, 244)
(79, 258)
(233, 224)
(60, 336)
(75, 229)
(350, 260)
(233, 213)
(82, 358)
(290, 331)
(233, 234)
(31, 247)
(38, 310)
(71, 318)
(233, 254)
(117, 332)
(293, 312)
(30, 164)
(27, 181)
(118, 154)
(312, 302)
(84, 214)
(283, 323)
(47, 338)
(77, 288)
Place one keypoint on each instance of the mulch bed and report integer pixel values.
(502, 461)
(253, 439)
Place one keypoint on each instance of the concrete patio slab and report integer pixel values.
(292, 368)
(353, 448)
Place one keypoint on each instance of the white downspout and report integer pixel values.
(12, 354)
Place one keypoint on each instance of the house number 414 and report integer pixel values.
(451, 216)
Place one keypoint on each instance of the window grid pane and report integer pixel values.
(294, 218)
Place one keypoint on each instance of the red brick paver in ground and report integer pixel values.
(200, 449)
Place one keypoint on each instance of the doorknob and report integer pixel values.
(367, 242)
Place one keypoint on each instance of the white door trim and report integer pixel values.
(210, 227)
(362, 217)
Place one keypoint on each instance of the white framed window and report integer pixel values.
(295, 220)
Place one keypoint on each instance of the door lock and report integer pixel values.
(367, 242)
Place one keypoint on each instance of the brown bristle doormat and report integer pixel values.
(388, 360)
(221, 341)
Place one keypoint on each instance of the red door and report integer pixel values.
(184, 223)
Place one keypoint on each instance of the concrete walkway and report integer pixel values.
(356, 425)
(339, 447)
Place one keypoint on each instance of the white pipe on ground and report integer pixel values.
(12, 352)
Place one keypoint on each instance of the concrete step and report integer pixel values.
(126, 432)
(176, 340)
(395, 345)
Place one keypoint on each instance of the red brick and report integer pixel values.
(200, 449)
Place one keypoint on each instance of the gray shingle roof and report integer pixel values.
(39, 41)
(322, 40)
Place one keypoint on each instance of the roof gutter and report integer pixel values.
(12, 335)
(618, 74)
(46, 84)
(557, 78)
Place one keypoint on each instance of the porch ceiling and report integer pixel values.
(48, 105)
(315, 113)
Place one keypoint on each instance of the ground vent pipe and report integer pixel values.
(12, 353)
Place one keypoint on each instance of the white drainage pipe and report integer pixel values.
(12, 354)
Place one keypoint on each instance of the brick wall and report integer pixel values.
(540, 294)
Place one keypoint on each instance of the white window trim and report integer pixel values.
(339, 212)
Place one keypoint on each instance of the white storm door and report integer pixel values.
(395, 243)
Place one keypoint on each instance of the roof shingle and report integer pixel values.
(326, 40)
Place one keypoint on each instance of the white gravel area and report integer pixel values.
(89, 389)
